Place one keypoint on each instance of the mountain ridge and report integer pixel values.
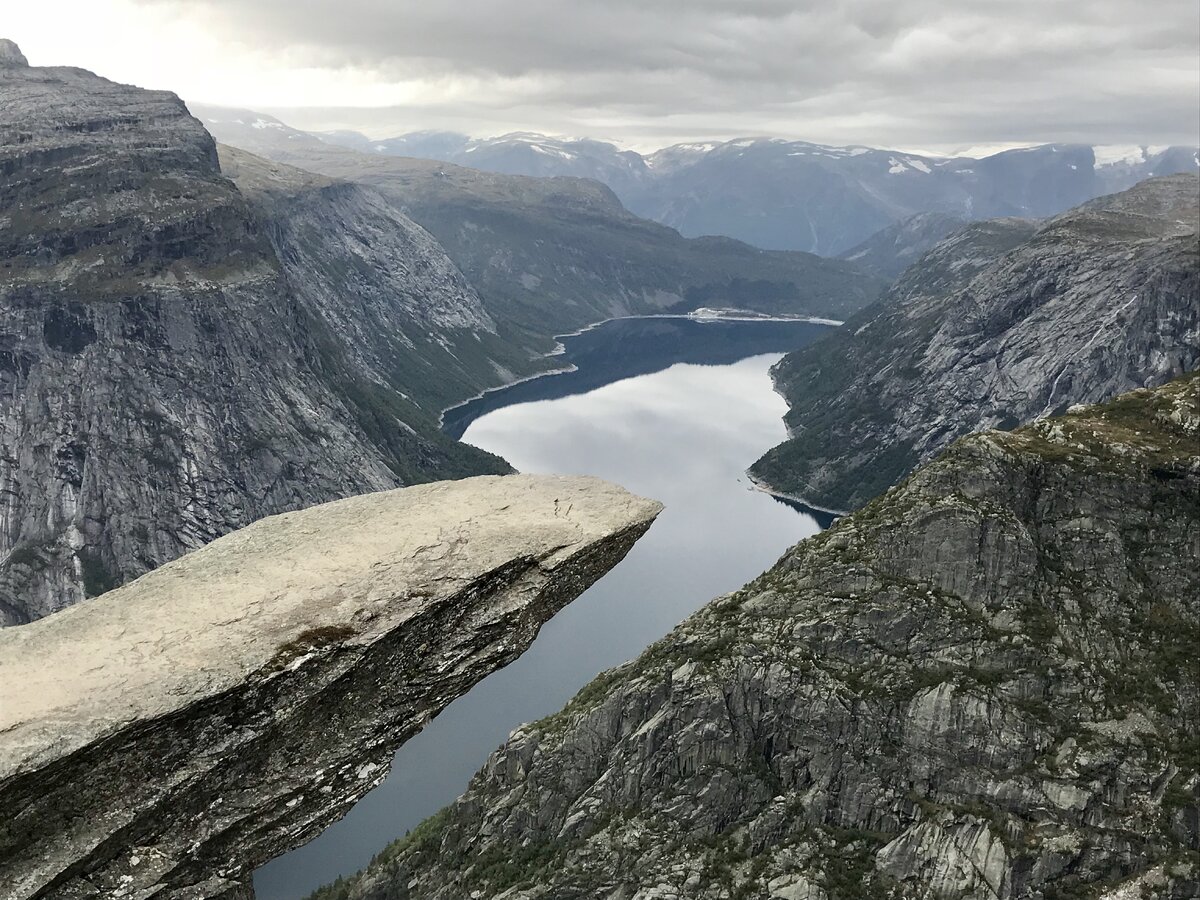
(1000, 323)
(551, 255)
(777, 193)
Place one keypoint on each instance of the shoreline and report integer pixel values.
(560, 348)
(765, 488)
(722, 315)
(441, 422)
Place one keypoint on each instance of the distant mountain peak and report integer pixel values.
(777, 193)
(1126, 154)
(11, 55)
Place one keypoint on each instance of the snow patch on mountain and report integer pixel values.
(1116, 154)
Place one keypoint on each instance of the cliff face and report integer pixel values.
(161, 382)
(982, 685)
(380, 283)
(169, 737)
(1000, 324)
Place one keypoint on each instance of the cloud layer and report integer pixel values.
(915, 73)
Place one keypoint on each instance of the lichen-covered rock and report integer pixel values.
(981, 686)
(167, 738)
(1001, 323)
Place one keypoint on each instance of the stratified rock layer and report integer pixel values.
(998, 325)
(981, 686)
(231, 704)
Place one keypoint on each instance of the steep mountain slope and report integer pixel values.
(1096, 301)
(564, 252)
(160, 382)
(553, 254)
(979, 687)
(891, 250)
(382, 285)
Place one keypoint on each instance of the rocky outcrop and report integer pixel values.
(1000, 324)
(162, 381)
(982, 685)
(11, 55)
(167, 738)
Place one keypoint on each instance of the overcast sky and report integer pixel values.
(941, 75)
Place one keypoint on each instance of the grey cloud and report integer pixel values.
(909, 72)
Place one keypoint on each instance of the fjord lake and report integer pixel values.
(670, 408)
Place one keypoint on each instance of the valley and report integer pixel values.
(380, 519)
(923, 700)
(637, 430)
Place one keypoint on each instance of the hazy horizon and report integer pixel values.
(291, 117)
(917, 76)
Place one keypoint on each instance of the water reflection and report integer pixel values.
(684, 435)
(627, 347)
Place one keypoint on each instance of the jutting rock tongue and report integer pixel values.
(233, 703)
(11, 55)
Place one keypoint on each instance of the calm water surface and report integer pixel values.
(669, 408)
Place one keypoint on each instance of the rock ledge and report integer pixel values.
(234, 702)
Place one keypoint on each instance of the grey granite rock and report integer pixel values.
(981, 686)
(381, 284)
(1001, 323)
(167, 738)
(163, 380)
(893, 249)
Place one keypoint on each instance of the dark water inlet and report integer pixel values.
(669, 408)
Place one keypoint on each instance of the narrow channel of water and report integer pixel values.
(671, 409)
